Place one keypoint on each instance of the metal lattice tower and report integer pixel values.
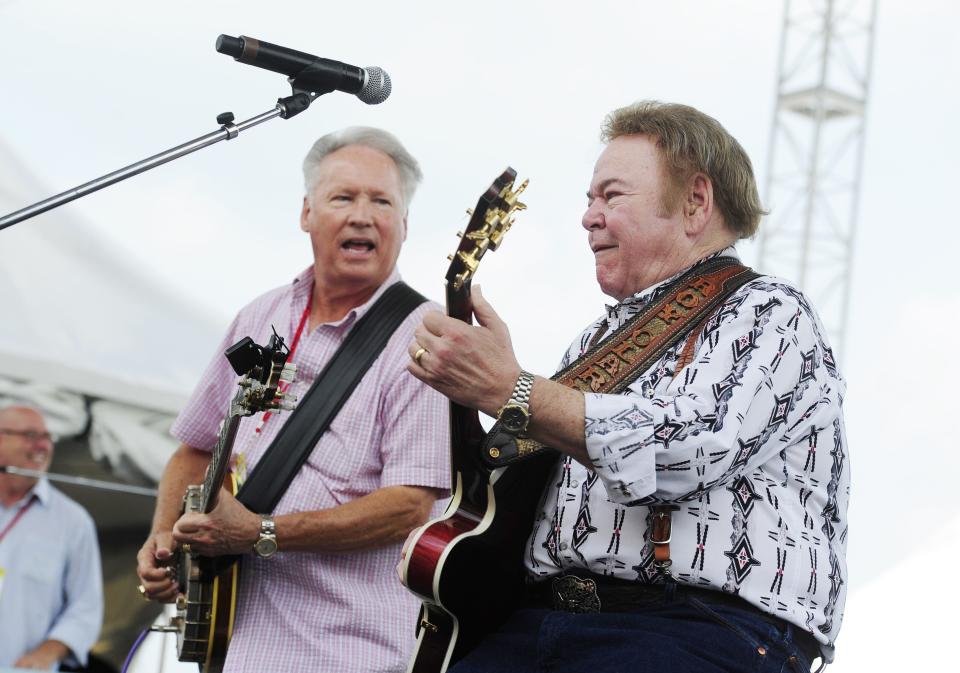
(816, 152)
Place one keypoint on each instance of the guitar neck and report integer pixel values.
(459, 305)
(219, 462)
(489, 221)
(466, 433)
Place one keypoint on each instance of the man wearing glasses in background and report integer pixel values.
(51, 591)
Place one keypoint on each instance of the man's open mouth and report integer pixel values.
(37, 457)
(358, 245)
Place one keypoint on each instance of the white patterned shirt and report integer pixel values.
(345, 612)
(747, 441)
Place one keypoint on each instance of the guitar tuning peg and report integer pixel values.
(449, 258)
(470, 212)
(459, 234)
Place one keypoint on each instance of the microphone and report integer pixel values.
(307, 72)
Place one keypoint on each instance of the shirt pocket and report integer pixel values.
(41, 569)
(41, 562)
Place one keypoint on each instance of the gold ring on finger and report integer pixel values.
(418, 355)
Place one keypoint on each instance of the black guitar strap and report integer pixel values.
(320, 405)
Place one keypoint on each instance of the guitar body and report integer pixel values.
(208, 607)
(467, 565)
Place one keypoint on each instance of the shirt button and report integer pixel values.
(563, 545)
(574, 483)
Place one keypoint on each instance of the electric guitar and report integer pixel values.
(467, 565)
(207, 604)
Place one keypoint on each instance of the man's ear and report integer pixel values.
(304, 214)
(405, 225)
(698, 205)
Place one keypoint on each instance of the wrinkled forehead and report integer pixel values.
(359, 163)
(628, 159)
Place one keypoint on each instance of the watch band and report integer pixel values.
(266, 544)
(514, 416)
(522, 389)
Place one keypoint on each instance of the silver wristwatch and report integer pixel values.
(514, 416)
(266, 544)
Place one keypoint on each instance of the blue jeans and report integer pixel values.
(683, 635)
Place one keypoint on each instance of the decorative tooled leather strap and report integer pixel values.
(613, 364)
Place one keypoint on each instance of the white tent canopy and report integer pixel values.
(79, 322)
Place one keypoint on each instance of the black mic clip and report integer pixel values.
(295, 104)
(306, 89)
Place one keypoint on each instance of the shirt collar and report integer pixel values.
(40, 490)
(643, 297)
(303, 285)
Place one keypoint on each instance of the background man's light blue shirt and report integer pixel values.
(52, 586)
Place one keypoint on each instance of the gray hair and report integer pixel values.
(407, 167)
(691, 142)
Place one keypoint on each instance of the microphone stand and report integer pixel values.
(79, 481)
(285, 108)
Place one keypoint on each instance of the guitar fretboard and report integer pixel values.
(220, 461)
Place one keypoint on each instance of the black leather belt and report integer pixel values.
(587, 593)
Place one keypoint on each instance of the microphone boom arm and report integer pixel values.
(309, 76)
(285, 108)
(79, 481)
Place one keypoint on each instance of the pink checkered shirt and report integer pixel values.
(328, 612)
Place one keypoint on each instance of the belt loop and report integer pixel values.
(670, 591)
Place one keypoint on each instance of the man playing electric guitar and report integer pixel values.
(695, 519)
(316, 589)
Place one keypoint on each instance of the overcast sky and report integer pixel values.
(88, 87)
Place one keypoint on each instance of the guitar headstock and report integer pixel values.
(263, 369)
(489, 221)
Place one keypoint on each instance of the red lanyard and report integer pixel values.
(283, 386)
(13, 522)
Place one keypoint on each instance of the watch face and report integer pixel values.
(265, 546)
(514, 418)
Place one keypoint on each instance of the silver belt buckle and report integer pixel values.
(572, 594)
